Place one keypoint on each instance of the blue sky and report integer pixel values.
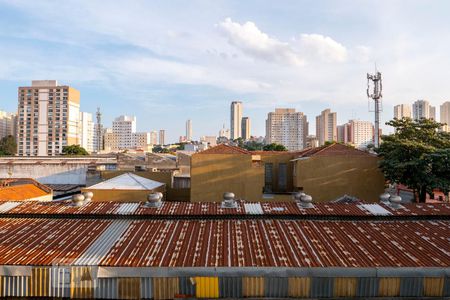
(168, 61)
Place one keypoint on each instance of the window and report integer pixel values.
(282, 177)
(268, 176)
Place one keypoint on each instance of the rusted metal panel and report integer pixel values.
(82, 283)
(345, 286)
(106, 288)
(253, 286)
(230, 287)
(433, 286)
(187, 286)
(367, 287)
(40, 282)
(299, 287)
(14, 286)
(129, 288)
(207, 287)
(146, 288)
(322, 287)
(411, 287)
(165, 288)
(389, 287)
(276, 287)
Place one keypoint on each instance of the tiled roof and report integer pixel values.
(224, 149)
(334, 150)
(21, 192)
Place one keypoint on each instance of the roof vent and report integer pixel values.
(298, 196)
(228, 200)
(78, 199)
(154, 199)
(394, 201)
(384, 198)
(306, 201)
(88, 196)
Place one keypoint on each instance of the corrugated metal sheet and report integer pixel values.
(207, 287)
(230, 287)
(14, 286)
(129, 288)
(146, 288)
(322, 287)
(299, 287)
(411, 287)
(106, 288)
(165, 288)
(433, 286)
(345, 286)
(276, 287)
(60, 282)
(375, 209)
(127, 208)
(389, 287)
(367, 287)
(253, 286)
(253, 209)
(82, 283)
(40, 282)
(5, 207)
(187, 286)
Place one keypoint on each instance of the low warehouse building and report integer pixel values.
(24, 189)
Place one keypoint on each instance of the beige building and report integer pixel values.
(246, 128)
(162, 137)
(357, 133)
(189, 130)
(86, 131)
(8, 124)
(423, 110)
(445, 116)
(287, 127)
(326, 127)
(48, 117)
(402, 111)
(236, 120)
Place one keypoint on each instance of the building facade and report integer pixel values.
(162, 137)
(326, 130)
(423, 110)
(402, 111)
(224, 133)
(8, 124)
(48, 118)
(357, 133)
(124, 127)
(287, 127)
(86, 132)
(246, 127)
(236, 120)
(189, 130)
(445, 116)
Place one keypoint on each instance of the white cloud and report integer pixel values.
(324, 48)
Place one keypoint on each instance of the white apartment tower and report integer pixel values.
(326, 129)
(445, 116)
(189, 130)
(287, 127)
(236, 120)
(8, 124)
(402, 111)
(86, 131)
(48, 117)
(124, 127)
(423, 110)
(246, 127)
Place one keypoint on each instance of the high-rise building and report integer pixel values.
(287, 127)
(110, 140)
(445, 116)
(423, 110)
(162, 137)
(154, 137)
(142, 141)
(402, 111)
(326, 127)
(236, 120)
(8, 124)
(356, 132)
(86, 131)
(246, 127)
(189, 130)
(224, 133)
(48, 117)
(124, 127)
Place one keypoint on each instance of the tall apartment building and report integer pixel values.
(124, 127)
(154, 137)
(8, 124)
(224, 133)
(236, 120)
(86, 131)
(356, 132)
(246, 127)
(402, 111)
(445, 116)
(48, 116)
(326, 127)
(423, 110)
(189, 130)
(287, 127)
(110, 140)
(142, 141)
(162, 137)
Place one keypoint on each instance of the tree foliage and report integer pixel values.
(416, 155)
(74, 150)
(8, 146)
(274, 147)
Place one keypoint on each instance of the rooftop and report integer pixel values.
(127, 181)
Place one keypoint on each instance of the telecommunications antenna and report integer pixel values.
(374, 88)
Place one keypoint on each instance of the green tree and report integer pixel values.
(8, 146)
(253, 146)
(74, 150)
(416, 155)
(274, 147)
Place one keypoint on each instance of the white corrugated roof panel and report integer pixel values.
(127, 181)
(127, 208)
(7, 206)
(253, 209)
(375, 209)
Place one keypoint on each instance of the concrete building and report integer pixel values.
(423, 110)
(48, 117)
(211, 140)
(312, 141)
(224, 133)
(124, 127)
(189, 130)
(162, 137)
(8, 124)
(402, 111)
(110, 140)
(445, 116)
(287, 127)
(357, 133)
(142, 141)
(326, 130)
(236, 120)
(246, 128)
(86, 131)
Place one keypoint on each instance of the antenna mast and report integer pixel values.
(376, 97)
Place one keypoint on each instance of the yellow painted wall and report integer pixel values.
(214, 174)
(433, 286)
(276, 159)
(299, 287)
(326, 178)
(207, 287)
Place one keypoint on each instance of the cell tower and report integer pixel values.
(376, 97)
(99, 129)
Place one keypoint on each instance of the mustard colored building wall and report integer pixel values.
(326, 178)
(276, 159)
(214, 174)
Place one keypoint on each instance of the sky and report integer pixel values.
(169, 61)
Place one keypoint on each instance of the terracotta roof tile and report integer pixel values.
(334, 150)
(225, 149)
